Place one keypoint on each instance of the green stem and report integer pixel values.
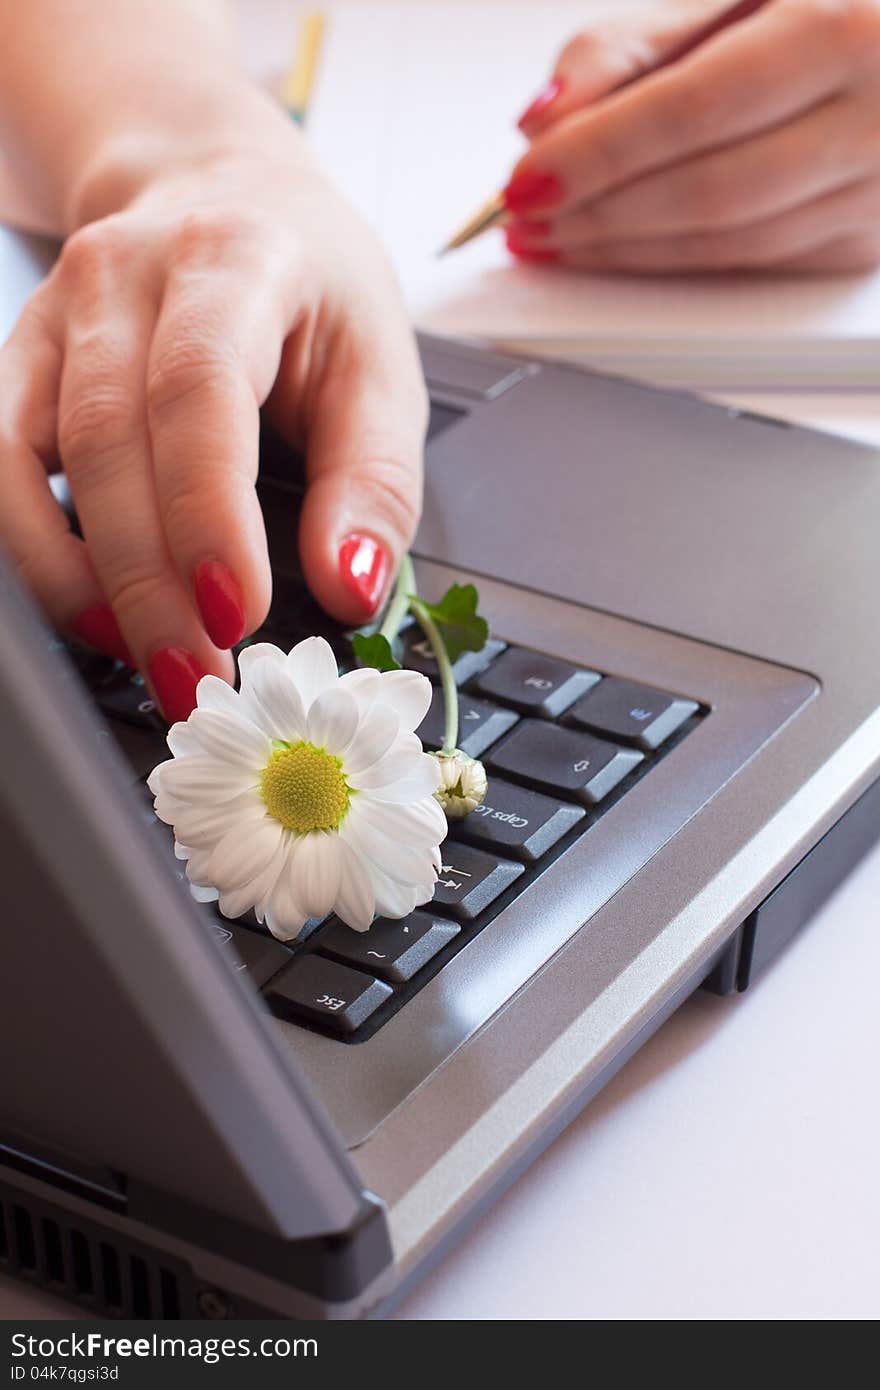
(404, 599)
(447, 678)
(397, 608)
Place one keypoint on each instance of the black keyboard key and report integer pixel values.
(563, 761)
(417, 656)
(323, 991)
(633, 713)
(480, 724)
(515, 821)
(261, 956)
(91, 667)
(534, 683)
(470, 880)
(392, 950)
(141, 748)
(125, 696)
(281, 511)
(278, 460)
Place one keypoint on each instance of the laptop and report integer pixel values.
(679, 711)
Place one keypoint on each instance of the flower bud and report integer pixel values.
(462, 783)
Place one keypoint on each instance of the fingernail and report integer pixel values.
(220, 603)
(98, 628)
(542, 101)
(521, 228)
(523, 252)
(531, 189)
(175, 673)
(364, 567)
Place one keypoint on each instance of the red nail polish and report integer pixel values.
(520, 228)
(220, 602)
(98, 628)
(531, 189)
(175, 673)
(542, 102)
(364, 567)
(540, 255)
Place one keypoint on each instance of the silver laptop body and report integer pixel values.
(168, 1147)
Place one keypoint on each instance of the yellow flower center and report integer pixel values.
(304, 788)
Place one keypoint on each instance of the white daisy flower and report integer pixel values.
(306, 792)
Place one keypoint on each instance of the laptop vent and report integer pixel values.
(89, 1263)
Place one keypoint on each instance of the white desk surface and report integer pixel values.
(731, 1170)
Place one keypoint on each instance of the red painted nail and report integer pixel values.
(98, 628)
(531, 189)
(175, 673)
(220, 602)
(540, 255)
(364, 567)
(520, 228)
(543, 101)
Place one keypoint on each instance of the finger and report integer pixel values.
(364, 443)
(842, 256)
(774, 241)
(758, 178)
(104, 445)
(212, 362)
(52, 562)
(617, 52)
(753, 75)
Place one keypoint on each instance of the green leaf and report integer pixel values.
(461, 626)
(374, 650)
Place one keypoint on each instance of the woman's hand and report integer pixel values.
(695, 136)
(227, 279)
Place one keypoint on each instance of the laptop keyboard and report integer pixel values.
(561, 744)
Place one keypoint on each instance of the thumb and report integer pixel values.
(364, 445)
(607, 56)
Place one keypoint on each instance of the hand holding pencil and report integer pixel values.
(703, 137)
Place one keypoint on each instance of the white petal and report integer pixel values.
(421, 824)
(201, 776)
(283, 909)
(235, 901)
(409, 693)
(318, 869)
(420, 783)
(198, 865)
(333, 720)
(376, 733)
(155, 779)
(355, 901)
(257, 652)
(275, 701)
(181, 739)
(215, 694)
(397, 761)
(313, 667)
(404, 863)
(394, 899)
(365, 683)
(203, 895)
(204, 826)
(231, 740)
(244, 852)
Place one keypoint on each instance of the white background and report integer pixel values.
(731, 1170)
